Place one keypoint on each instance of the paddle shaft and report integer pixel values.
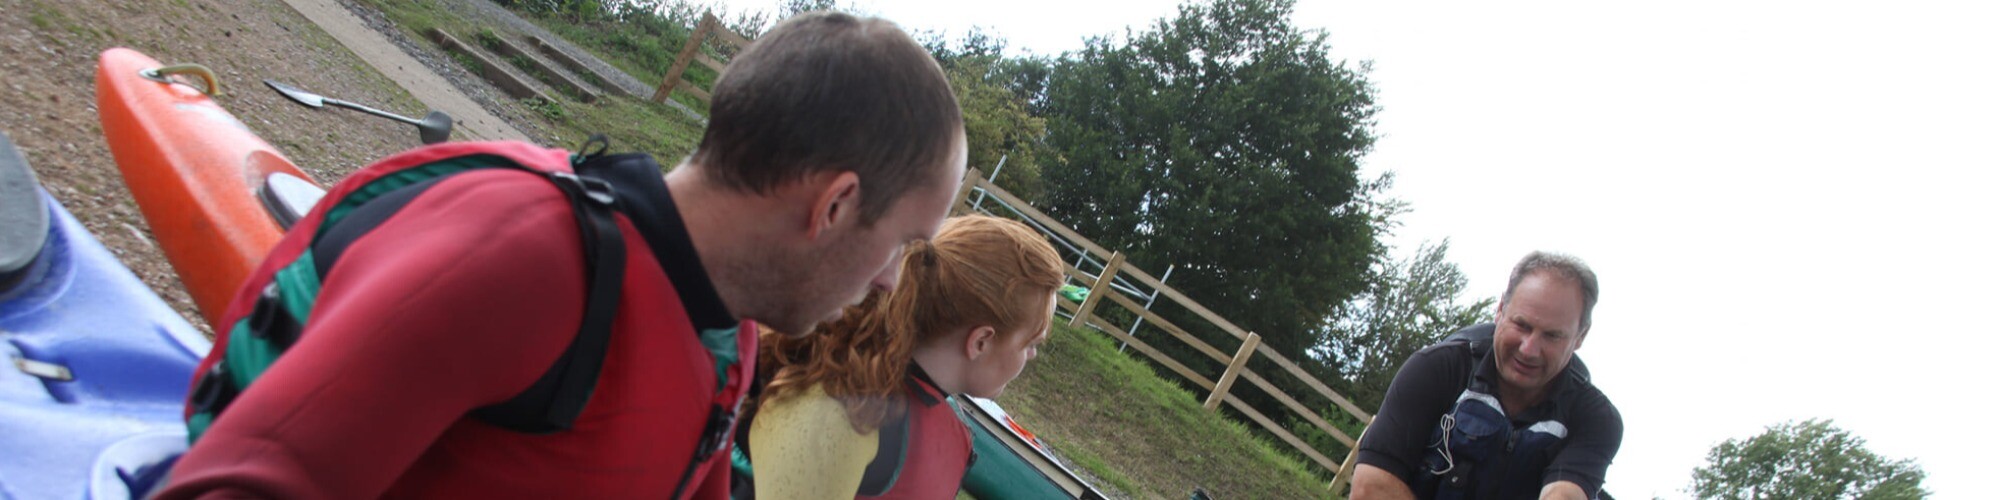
(385, 114)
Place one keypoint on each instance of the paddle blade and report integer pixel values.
(302, 97)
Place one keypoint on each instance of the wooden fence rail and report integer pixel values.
(1236, 366)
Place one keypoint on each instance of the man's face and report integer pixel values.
(1537, 330)
(853, 259)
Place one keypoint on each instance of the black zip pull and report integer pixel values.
(714, 434)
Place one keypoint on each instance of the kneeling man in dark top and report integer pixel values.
(1501, 410)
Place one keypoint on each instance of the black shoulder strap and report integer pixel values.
(554, 401)
(1479, 336)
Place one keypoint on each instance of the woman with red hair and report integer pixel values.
(859, 408)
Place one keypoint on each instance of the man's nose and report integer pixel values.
(1530, 344)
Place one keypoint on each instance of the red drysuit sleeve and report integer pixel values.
(453, 303)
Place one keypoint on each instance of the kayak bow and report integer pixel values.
(213, 193)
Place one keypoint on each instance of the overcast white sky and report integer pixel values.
(1790, 205)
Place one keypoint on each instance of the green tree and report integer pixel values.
(1411, 304)
(998, 120)
(1806, 460)
(997, 125)
(1224, 141)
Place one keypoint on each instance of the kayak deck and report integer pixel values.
(1013, 466)
(197, 174)
(94, 360)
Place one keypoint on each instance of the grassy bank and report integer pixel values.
(1115, 418)
(642, 47)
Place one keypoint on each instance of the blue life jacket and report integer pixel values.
(1478, 452)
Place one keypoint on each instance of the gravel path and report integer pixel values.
(48, 101)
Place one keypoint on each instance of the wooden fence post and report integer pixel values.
(1235, 369)
(694, 41)
(1346, 471)
(1098, 289)
(958, 205)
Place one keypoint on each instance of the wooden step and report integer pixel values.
(492, 69)
(576, 66)
(553, 75)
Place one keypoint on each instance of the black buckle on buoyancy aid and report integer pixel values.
(594, 189)
(269, 321)
(213, 391)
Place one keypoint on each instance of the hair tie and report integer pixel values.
(924, 252)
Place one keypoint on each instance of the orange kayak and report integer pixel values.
(211, 190)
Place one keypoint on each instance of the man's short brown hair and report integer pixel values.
(830, 91)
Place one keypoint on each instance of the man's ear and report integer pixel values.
(979, 341)
(836, 201)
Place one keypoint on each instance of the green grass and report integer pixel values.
(527, 65)
(592, 79)
(645, 50)
(42, 20)
(1116, 418)
(1102, 470)
(468, 62)
(416, 18)
(549, 109)
(635, 125)
(47, 18)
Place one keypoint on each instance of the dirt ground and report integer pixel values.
(48, 52)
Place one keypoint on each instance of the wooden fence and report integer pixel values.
(1110, 280)
(692, 53)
